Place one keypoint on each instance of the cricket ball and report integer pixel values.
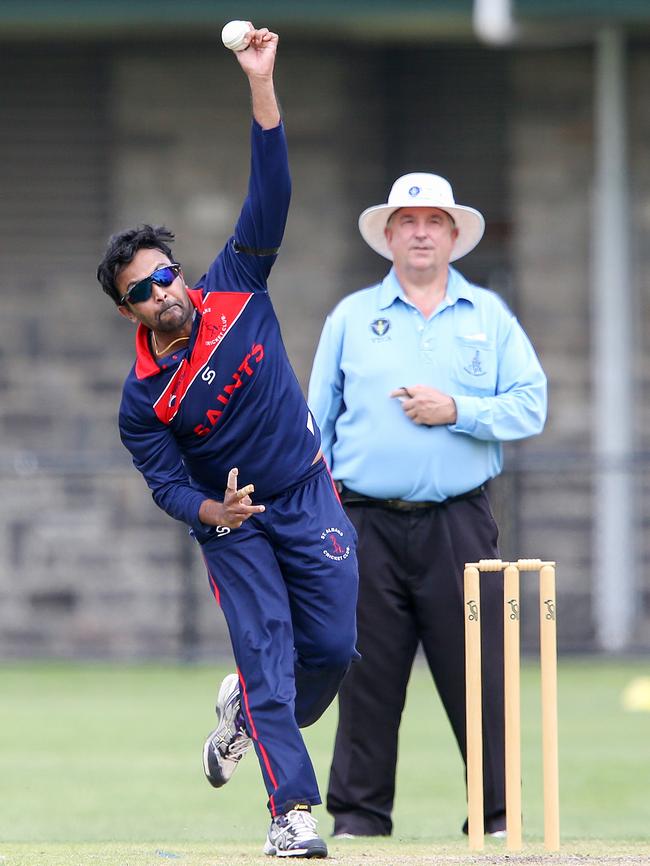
(234, 34)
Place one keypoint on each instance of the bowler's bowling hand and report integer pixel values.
(259, 57)
(426, 405)
(237, 505)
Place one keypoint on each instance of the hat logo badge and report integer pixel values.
(414, 190)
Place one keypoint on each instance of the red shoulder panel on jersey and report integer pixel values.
(219, 312)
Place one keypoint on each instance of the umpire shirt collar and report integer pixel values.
(457, 287)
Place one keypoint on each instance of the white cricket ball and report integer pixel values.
(234, 33)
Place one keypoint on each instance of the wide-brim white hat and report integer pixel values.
(419, 189)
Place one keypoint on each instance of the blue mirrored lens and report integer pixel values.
(162, 277)
(140, 292)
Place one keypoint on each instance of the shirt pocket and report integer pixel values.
(474, 366)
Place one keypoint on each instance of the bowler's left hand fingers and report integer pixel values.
(231, 484)
(245, 491)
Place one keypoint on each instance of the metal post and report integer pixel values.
(612, 315)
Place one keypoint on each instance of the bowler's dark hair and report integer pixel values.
(121, 251)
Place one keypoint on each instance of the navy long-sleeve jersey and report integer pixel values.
(230, 398)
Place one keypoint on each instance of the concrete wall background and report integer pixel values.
(552, 150)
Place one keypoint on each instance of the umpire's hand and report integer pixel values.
(426, 405)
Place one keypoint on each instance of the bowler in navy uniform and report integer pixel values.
(213, 415)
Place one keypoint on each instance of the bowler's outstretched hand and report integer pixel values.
(237, 505)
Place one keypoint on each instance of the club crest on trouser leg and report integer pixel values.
(335, 547)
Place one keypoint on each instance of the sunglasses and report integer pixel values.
(142, 290)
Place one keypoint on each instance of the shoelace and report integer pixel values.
(239, 746)
(303, 825)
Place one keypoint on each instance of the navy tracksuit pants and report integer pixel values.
(287, 581)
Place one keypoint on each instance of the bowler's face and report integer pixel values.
(421, 238)
(169, 307)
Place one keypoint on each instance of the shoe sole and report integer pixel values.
(305, 853)
(226, 687)
(206, 765)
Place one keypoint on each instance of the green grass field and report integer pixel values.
(101, 765)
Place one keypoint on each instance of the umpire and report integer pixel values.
(416, 383)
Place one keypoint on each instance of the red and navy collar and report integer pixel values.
(145, 363)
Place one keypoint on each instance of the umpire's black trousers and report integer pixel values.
(411, 592)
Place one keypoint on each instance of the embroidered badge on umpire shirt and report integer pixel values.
(380, 327)
(475, 367)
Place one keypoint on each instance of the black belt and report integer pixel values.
(351, 497)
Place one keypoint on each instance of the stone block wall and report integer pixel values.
(88, 565)
(552, 184)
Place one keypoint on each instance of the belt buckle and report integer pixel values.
(403, 505)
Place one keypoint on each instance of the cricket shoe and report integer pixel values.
(229, 742)
(294, 835)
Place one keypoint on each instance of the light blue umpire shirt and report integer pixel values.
(471, 347)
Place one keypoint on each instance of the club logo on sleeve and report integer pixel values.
(335, 547)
